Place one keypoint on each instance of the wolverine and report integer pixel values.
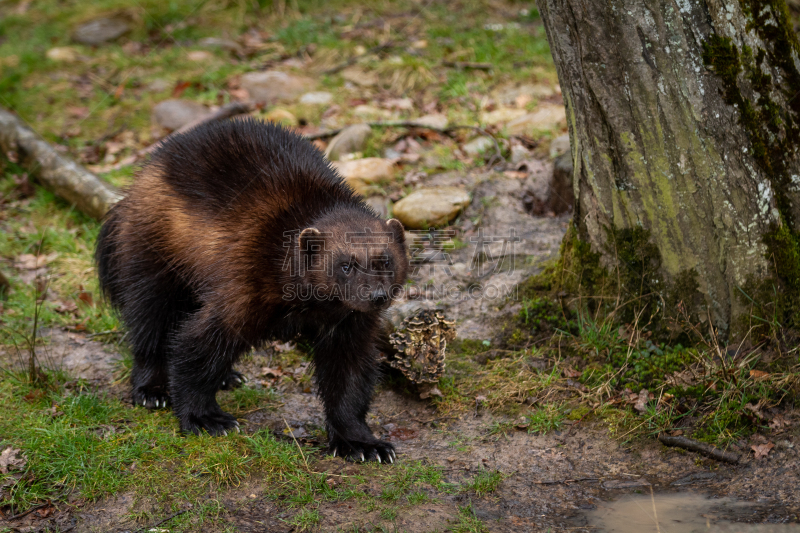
(236, 233)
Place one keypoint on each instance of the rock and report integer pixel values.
(351, 139)
(172, 114)
(546, 117)
(272, 85)
(369, 170)
(199, 55)
(400, 104)
(478, 145)
(224, 44)
(562, 195)
(63, 54)
(157, 85)
(436, 120)
(501, 116)
(380, 204)
(368, 111)
(316, 98)
(549, 191)
(281, 116)
(431, 207)
(559, 145)
(101, 30)
(526, 92)
(519, 153)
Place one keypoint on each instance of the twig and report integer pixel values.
(297, 444)
(498, 156)
(566, 481)
(353, 60)
(461, 65)
(226, 111)
(700, 447)
(164, 521)
(29, 511)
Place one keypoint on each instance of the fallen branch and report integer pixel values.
(462, 65)
(700, 447)
(498, 156)
(59, 175)
(226, 111)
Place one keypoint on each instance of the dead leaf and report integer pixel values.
(86, 297)
(756, 410)
(66, 307)
(11, 459)
(641, 401)
(32, 262)
(433, 390)
(762, 450)
(778, 422)
(570, 373)
(758, 374)
(275, 372)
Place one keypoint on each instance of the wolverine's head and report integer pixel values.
(356, 259)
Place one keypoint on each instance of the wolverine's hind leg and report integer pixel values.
(152, 320)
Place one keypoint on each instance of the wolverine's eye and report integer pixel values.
(386, 263)
(346, 267)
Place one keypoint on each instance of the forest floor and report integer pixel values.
(546, 417)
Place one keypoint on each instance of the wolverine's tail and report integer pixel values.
(105, 257)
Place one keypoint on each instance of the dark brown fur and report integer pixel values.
(205, 259)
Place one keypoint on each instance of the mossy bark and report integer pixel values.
(685, 123)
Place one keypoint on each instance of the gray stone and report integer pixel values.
(368, 170)
(431, 207)
(559, 145)
(546, 117)
(273, 85)
(173, 114)
(380, 204)
(225, 44)
(316, 98)
(436, 120)
(101, 30)
(351, 139)
(478, 146)
(519, 154)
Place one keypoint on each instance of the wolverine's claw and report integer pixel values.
(334, 451)
(379, 458)
(390, 459)
(362, 457)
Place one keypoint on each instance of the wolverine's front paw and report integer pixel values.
(150, 397)
(216, 422)
(233, 380)
(374, 450)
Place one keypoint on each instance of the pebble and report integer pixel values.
(272, 85)
(63, 54)
(349, 140)
(501, 116)
(478, 146)
(559, 145)
(281, 116)
(172, 114)
(435, 120)
(546, 117)
(369, 169)
(431, 207)
(316, 98)
(101, 30)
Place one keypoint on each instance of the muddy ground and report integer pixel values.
(551, 482)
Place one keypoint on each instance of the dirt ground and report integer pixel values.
(551, 482)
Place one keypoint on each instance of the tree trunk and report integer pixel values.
(684, 119)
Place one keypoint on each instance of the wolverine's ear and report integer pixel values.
(397, 229)
(307, 237)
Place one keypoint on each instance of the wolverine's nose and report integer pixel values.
(380, 298)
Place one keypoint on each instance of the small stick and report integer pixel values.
(297, 444)
(29, 511)
(700, 447)
(468, 64)
(567, 481)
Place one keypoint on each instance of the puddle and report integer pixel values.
(684, 512)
